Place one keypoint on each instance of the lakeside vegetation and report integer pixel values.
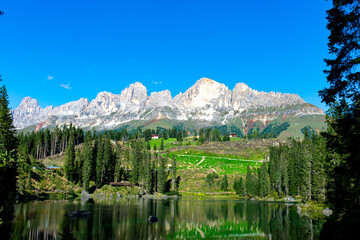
(319, 170)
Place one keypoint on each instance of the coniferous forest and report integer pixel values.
(322, 168)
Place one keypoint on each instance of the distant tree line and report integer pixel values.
(46, 143)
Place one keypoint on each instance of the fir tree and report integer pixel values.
(69, 160)
(318, 176)
(224, 183)
(263, 181)
(210, 179)
(118, 165)
(8, 141)
(242, 188)
(343, 134)
(173, 172)
(99, 163)
(88, 161)
(179, 137)
(162, 144)
(149, 181)
(79, 163)
(108, 161)
(249, 181)
(305, 171)
(162, 177)
(236, 185)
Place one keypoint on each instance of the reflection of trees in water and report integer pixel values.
(66, 233)
(128, 219)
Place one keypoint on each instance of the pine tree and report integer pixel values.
(69, 160)
(88, 161)
(8, 141)
(149, 181)
(127, 163)
(343, 132)
(136, 157)
(179, 137)
(236, 185)
(108, 161)
(224, 183)
(318, 176)
(118, 165)
(99, 163)
(162, 175)
(249, 181)
(79, 164)
(162, 144)
(305, 171)
(263, 181)
(242, 188)
(173, 172)
(210, 179)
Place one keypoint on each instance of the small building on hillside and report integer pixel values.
(154, 136)
(232, 135)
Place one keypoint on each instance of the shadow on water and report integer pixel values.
(178, 219)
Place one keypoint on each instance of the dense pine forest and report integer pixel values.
(292, 170)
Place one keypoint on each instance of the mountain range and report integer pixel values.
(207, 103)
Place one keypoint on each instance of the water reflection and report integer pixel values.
(178, 219)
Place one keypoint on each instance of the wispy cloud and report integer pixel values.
(153, 82)
(67, 86)
(50, 78)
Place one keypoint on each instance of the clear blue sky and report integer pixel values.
(60, 51)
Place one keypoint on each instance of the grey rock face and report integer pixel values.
(289, 199)
(327, 212)
(85, 196)
(206, 101)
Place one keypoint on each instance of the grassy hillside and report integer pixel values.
(230, 158)
(195, 161)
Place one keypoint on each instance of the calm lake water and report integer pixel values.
(178, 219)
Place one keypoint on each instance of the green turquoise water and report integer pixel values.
(178, 219)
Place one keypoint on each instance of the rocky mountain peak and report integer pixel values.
(241, 87)
(207, 101)
(29, 102)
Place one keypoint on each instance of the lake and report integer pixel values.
(178, 219)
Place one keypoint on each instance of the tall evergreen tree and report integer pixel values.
(136, 160)
(224, 183)
(162, 144)
(118, 165)
(249, 181)
(318, 176)
(162, 176)
(88, 161)
(69, 160)
(242, 188)
(149, 176)
(343, 133)
(263, 181)
(99, 163)
(179, 137)
(173, 173)
(305, 170)
(108, 161)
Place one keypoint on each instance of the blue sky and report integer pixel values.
(60, 51)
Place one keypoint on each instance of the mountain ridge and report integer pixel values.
(206, 101)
